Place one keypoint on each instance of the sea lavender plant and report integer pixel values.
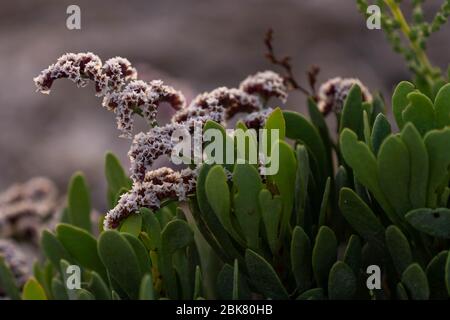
(336, 208)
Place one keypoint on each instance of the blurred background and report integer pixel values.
(193, 45)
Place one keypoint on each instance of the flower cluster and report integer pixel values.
(333, 93)
(116, 81)
(218, 105)
(158, 185)
(27, 208)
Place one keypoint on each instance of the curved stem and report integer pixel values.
(406, 29)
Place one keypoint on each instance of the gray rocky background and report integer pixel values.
(194, 45)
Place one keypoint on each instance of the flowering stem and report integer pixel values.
(406, 29)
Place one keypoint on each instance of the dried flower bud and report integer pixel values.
(257, 120)
(158, 185)
(266, 84)
(111, 81)
(332, 94)
(26, 208)
(16, 260)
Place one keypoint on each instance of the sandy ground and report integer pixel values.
(194, 45)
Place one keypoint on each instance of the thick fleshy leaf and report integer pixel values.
(264, 277)
(79, 202)
(276, 121)
(225, 284)
(301, 259)
(399, 248)
(381, 130)
(271, 207)
(132, 225)
(436, 276)
(32, 290)
(285, 182)
(218, 196)
(364, 164)
(247, 186)
(152, 227)
(146, 291)
(299, 128)
(400, 100)
(415, 282)
(7, 281)
(420, 112)
(324, 255)
(141, 252)
(82, 246)
(312, 294)
(115, 174)
(176, 235)
(352, 113)
(98, 287)
(342, 282)
(353, 254)
(438, 147)
(121, 262)
(401, 292)
(394, 172)
(361, 217)
(208, 222)
(59, 290)
(53, 249)
(301, 183)
(324, 204)
(318, 120)
(442, 107)
(83, 294)
(418, 157)
(435, 222)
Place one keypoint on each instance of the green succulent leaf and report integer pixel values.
(361, 217)
(271, 207)
(152, 227)
(32, 290)
(420, 112)
(121, 262)
(394, 172)
(442, 107)
(434, 222)
(399, 248)
(301, 183)
(313, 294)
(324, 255)
(299, 128)
(436, 276)
(419, 164)
(218, 195)
(247, 185)
(7, 281)
(115, 174)
(264, 277)
(301, 259)
(141, 252)
(83, 294)
(146, 291)
(82, 246)
(59, 290)
(364, 164)
(98, 287)
(381, 130)
(400, 100)
(324, 203)
(352, 113)
(285, 182)
(132, 225)
(53, 249)
(438, 147)
(415, 282)
(79, 202)
(353, 254)
(276, 121)
(342, 282)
